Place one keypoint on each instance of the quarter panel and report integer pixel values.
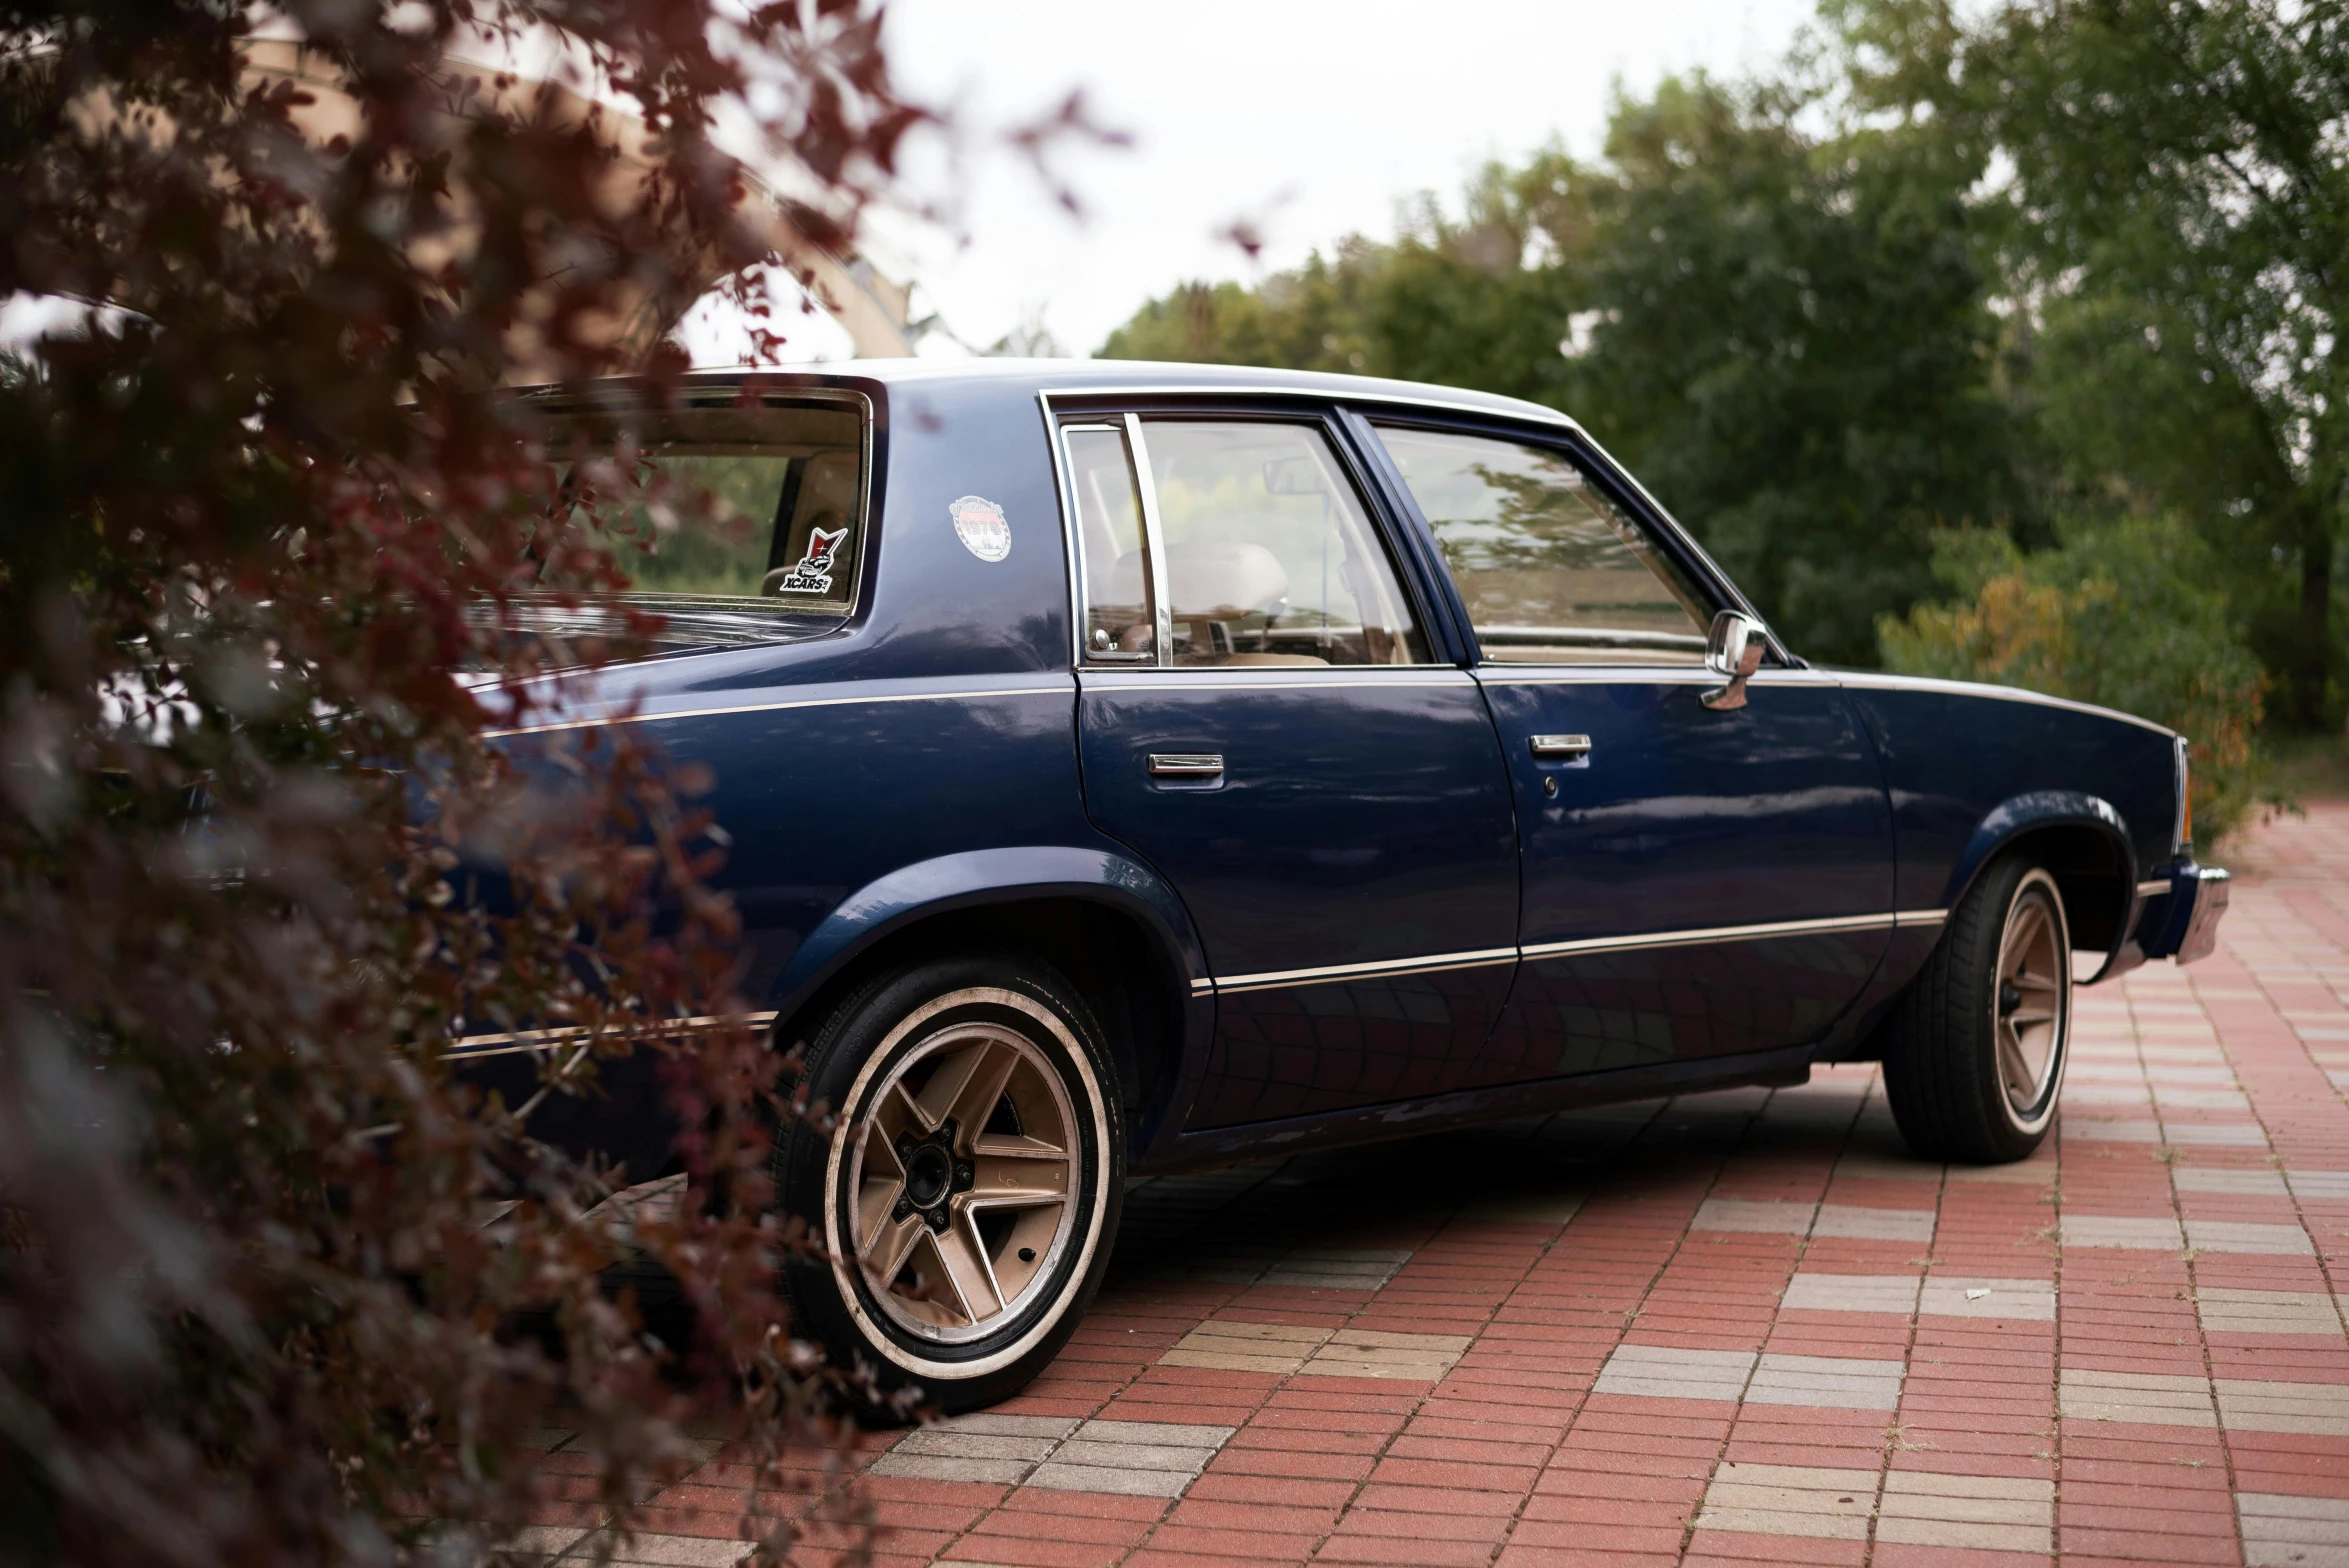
(823, 801)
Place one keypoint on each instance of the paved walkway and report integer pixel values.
(1731, 1326)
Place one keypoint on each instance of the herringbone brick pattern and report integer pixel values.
(1734, 1326)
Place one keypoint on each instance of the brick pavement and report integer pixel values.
(1727, 1327)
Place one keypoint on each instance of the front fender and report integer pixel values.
(989, 876)
(2056, 808)
(2041, 808)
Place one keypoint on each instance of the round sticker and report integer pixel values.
(979, 523)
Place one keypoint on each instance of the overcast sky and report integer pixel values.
(1311, 118)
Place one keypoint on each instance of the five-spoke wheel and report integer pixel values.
(968, 1192)
(962, 1168)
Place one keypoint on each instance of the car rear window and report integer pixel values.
(732, 522)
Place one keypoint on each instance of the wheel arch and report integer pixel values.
(1112, 927)
(2084, 844)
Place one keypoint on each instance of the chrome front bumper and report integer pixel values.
(2182, 924)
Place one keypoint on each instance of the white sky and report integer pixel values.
(1311, 117)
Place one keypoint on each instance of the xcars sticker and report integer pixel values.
(813, 574)
(980, 525)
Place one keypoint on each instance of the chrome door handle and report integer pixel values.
(1186, 764)
(1566, 746)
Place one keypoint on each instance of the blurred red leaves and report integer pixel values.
(274, 1285)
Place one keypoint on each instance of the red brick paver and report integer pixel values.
(1732, 1327)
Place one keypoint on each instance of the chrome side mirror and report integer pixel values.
(1733, 649)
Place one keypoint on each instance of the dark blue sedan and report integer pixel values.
(1139, 766)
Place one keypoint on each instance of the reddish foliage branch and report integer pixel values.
(274, 1286)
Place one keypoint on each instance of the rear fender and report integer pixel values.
(977, 878)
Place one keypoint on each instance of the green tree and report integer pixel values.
(2178, 222)
(1783, 330)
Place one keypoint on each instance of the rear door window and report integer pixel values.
(1551, 569)
(1229, 543)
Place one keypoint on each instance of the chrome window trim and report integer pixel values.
(1079, 572)
(1533, 414)
(1153, 542)
(1637, 675)
(1071, 545)
(1595, 675)
(1874, 680)
(1211, 677)
(1072, 548)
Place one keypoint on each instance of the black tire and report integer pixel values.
(900, 1029)
(1942, 1069)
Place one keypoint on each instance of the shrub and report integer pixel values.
(253, 1307)
(2123, 613)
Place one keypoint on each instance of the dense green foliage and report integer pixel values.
(1787, 335)
(2081, 259)
(2121, 613)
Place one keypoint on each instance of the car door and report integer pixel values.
(1699, 881)
(1261, 721)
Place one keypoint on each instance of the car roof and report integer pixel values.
(1096, 376)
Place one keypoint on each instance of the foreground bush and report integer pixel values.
(2123, 614)
(273, 1288)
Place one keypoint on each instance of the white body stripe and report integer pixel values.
(472, 1045)
(779, 707)
(1435, 962)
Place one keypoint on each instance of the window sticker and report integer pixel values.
(813, 574)
(980, 524)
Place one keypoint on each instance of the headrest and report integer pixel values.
(1214, 579)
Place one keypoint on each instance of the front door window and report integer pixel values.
(1551, 570)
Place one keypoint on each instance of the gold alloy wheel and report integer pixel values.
(965, 1165)
(2027, 1010)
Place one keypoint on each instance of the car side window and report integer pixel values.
(1270, 557)
(1118, 627)
(1552, 571)
(773, 495)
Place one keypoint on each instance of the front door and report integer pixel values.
(1260, 721)
(1699, 881)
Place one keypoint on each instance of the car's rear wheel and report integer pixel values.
(1975, 1051)
(968, 1192)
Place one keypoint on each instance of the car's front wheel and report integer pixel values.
(1975, 1051)
(968, 1193)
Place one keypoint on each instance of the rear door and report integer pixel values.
(1261, 721)
(1698, 883)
